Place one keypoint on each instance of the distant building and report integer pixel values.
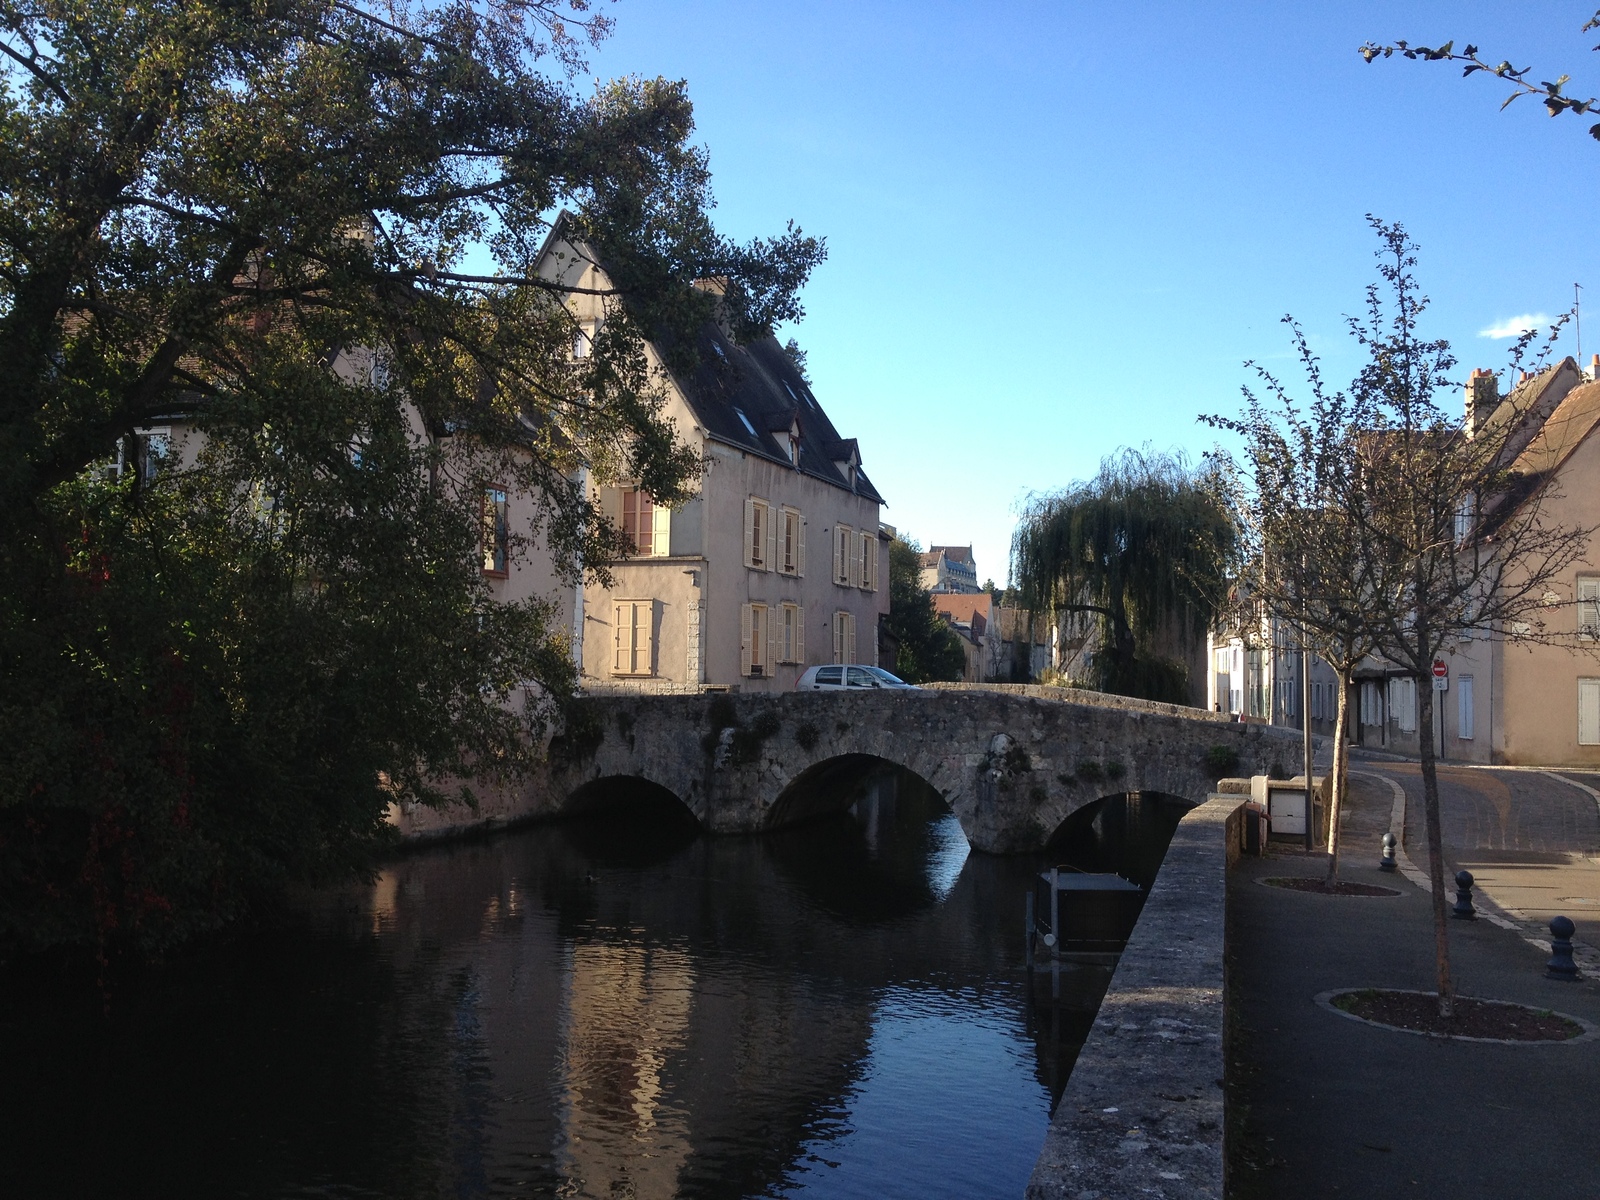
(950, 569)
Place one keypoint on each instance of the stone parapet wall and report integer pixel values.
(1143, 1112)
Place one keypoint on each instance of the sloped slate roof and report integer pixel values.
(747, 396)
(1574, 418)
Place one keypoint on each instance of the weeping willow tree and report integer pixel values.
(1140, 556)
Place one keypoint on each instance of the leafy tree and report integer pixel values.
(929, 650)
(1142, 552)
(1551, 93)
(266, 218)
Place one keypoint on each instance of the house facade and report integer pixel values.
(774, 566)
(1500, 698)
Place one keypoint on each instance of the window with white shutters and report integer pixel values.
(1589, 606)
(844, 637)
(792, 546)
(756, 640)
(760, 534)
(842, 556)
(793, 638)
(633, 637)
(1464, 709)
(1589, 712)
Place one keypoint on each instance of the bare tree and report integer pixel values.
(1453, 529)
(1293, 495)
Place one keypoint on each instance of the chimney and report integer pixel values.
(1483, 397)
(1594, 367)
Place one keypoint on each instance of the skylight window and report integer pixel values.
(746, 421)
(790, 390)
(720, 352)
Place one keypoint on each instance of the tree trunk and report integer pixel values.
(1430, 808)
(1339, 773)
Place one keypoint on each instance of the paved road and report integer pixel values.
(1324, 1107)
(1530, 838)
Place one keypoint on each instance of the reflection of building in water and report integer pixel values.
(625, 1013)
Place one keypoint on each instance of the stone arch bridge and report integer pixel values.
(1012, 761)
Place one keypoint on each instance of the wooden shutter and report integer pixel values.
(1589, 712)
(871, 583)
(621, 637)
(838, 637)
(800, 542)
(770, 558)
(799, 634)
(1588, 606)
(1464, 710)
(611, 505)
(850, 630)
(772, 643)
(838, 538)
(746, 617)
(749, 527)
(660, 530)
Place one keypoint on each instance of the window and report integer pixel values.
(744, 420)
(793, 549)
(1589, 606)
(1589, 712)
(842, 556)
(645, 523)
(153, 448)
(867, 573)
(1464, 709)
(583, 340)
(833, 675)
(756, 649)
(859, 677)
(496, 518)
(760, 534)
(1403, 703)
(633, 637)
(844, 637)
(1463, 521)
(793, 640)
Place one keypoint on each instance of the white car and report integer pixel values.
(837, 678)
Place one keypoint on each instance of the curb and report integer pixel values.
(1590, 1031)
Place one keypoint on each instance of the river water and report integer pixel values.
(608, 1007)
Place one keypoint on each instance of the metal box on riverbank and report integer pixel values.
(1083, 911)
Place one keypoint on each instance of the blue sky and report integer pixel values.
(1055, 229)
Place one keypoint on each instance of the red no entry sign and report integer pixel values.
(1440, 668)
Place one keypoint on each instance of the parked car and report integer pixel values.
(837, 677)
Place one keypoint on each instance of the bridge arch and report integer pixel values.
(833, 785)
(628, 820)
(1123, 832)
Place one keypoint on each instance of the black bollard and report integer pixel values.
(1561, 965)
(1463, 906)
(1387, 863)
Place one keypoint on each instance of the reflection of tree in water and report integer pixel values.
(608, 1003)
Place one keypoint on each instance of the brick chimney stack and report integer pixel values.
(1594, 367)
(1483, 397)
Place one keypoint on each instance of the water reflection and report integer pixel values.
(603, 1008)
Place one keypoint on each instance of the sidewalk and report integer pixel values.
(1323, 1106)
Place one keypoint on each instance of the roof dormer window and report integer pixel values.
(746, 421)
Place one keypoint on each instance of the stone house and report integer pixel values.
(775, 564)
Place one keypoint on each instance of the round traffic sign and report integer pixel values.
(1440, 668)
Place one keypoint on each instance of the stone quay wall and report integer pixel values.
(1143, 1112)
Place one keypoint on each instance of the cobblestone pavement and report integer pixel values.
(1530, 838)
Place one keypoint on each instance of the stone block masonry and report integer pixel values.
(1012, 765)
(1142, 1114)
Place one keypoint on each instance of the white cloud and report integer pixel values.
(1517, 326)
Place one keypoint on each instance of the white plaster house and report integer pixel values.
(773, 566)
